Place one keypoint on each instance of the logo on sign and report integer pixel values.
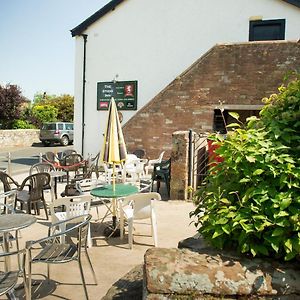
(128, 90)
(103, 104)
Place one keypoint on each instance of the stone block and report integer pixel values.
(185, 274)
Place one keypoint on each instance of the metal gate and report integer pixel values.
(197, 159)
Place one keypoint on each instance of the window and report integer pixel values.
(69, 126)
(220, 121)
(267, 30)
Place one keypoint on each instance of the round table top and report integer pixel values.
(11, 222)
(121, 190)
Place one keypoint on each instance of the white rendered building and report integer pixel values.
(152, 42)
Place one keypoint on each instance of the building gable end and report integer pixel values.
(293, 2)
(96, 16)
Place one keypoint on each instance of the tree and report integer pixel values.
(11, 100)
(63, 103)
(65, 107)
(44, 114)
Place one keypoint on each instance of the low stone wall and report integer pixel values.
(207, 274)
(18, 137)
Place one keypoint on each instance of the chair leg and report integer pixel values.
(45, 208)
(158, 185)
(28, 208)
(130, 232)
(27, 280)
(82, 278)
(48, 271)
(91, 266)
(167, 181)
(89, 238)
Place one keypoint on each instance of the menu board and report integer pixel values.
(124, 93)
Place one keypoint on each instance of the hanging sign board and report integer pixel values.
(124, 93)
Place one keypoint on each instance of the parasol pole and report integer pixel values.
(114, 178)
(114, 200)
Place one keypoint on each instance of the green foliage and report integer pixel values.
(251, 200)
(39, 98)
(65, 107)
(22, 124)
(63, 103)
(44, 113)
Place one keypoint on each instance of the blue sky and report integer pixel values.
(36, 47)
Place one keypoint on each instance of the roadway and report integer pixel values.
(24, 157)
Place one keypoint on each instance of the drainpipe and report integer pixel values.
(83, 92)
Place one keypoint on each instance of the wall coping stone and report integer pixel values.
(206, 273)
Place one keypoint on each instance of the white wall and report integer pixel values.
(154, 41)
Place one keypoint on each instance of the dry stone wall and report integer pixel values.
(18, 137)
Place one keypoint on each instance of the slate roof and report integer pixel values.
(112, 5)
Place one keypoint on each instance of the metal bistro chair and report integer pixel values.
(9, 278)
(7, 201)
(31, 192)
(54, 252)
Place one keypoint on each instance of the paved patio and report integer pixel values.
(111, 257)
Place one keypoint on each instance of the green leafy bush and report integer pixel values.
(44, 113)
(251, 201)
(22, 124)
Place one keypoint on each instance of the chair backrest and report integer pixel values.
(161, 155)
(81, 225)
(74, 205)
(142, 204)
(41, 168)
(6, 181)
(151, 162)
(7, 201)
(67, 152)
(36, 182)
(72, 160)
(162, 167)
(51, 157)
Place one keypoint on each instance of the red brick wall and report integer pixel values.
(237, 74)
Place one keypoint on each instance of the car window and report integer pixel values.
(49, 127)
(69, 126)
(60, 126)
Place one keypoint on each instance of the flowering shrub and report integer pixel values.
(251, 200)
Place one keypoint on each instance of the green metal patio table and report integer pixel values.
(107, 192)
